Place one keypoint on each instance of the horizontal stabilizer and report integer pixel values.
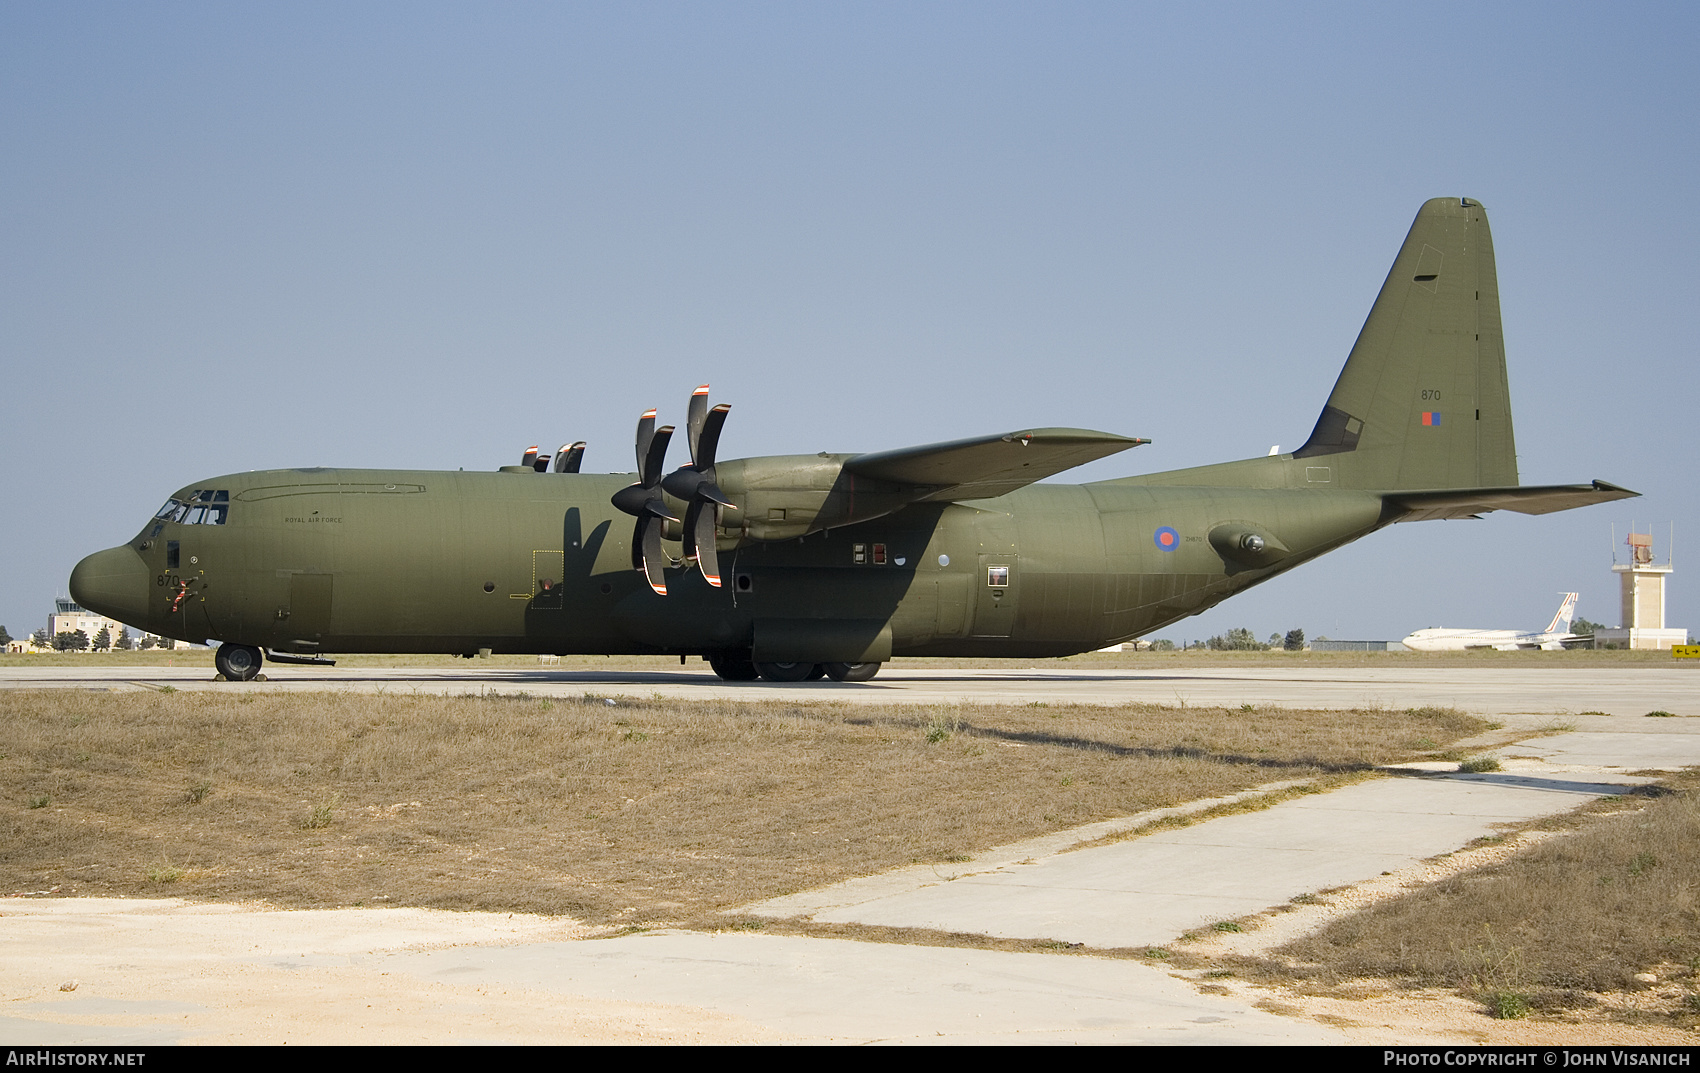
(988, 466)
(1527, 499)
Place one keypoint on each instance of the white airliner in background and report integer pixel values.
(1441, 639)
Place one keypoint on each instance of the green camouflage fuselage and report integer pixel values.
(390, 560)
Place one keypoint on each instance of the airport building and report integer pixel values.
(67, 617)
(1643, 583)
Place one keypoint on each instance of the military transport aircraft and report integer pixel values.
(788, 567)
(1447, 639)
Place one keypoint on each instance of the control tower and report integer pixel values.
(1643, 583)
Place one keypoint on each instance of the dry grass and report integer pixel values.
(639, 812)
(1565, 923)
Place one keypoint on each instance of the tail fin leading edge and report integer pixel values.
(1423, 401)
(1566, 613)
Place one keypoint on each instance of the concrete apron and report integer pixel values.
(1148, 890)
(744, 987)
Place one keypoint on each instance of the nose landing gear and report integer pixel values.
(238, 663)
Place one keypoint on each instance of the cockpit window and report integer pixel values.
(203, 506)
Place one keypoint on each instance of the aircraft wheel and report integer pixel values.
(817, 671)
(238, 663)
(733, 669)
(785, 672)
(851, 672)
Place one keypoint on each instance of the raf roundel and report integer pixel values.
(1167, 539)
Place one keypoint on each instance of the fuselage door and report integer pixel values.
(546, 578)
(998, 584)
(309, 608)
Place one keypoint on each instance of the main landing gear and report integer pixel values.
(238, 663)
(735, 669)
(851, 672)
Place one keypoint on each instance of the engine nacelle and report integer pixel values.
(779, 497)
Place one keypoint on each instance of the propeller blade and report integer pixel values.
(708, 437)
(567, 459)
(710, 491)
(651, 464)
(702, 534)
(637, 542)
(530, 456)
(650, 553)
(645, 433)
(688, 530)
(694, 418)
(643, 499)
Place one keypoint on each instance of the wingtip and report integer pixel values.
(1607, 486)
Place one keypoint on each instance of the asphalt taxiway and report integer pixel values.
(1490, 691)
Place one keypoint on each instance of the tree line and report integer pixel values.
(1240, 639)
(102, 641)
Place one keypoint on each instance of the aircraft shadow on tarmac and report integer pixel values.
(1175, 752)
(1514, 780)
(892, 680)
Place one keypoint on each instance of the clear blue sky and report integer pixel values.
(244, 236)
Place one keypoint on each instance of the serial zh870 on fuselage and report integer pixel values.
(784, 567)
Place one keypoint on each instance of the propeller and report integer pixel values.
(644, 501)
(529, 459)
(567, 459)
(695, 484)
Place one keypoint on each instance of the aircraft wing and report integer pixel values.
(988, 466)
(1525, 499)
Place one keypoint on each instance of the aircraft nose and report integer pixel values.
(113, 583)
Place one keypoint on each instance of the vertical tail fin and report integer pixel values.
(1423, 401)
(1566, 613)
